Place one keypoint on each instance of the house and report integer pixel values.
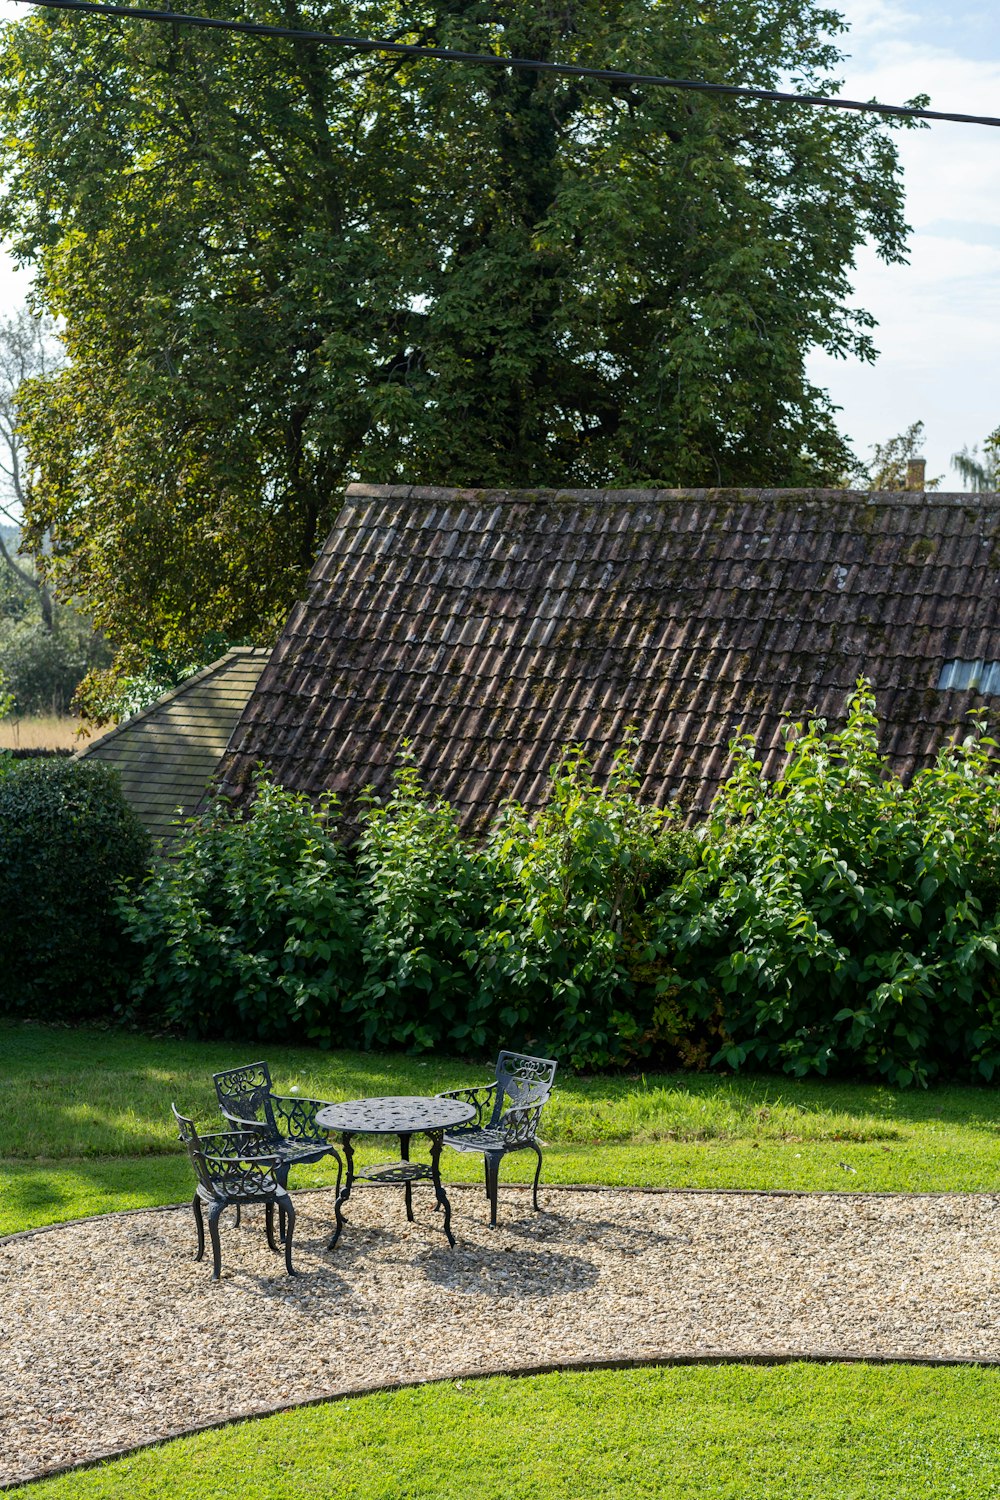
(168, 753)
(490, 629)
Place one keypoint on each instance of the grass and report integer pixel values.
(84, 1128)
(40, 732)
(801, 1432)
(85, 1124)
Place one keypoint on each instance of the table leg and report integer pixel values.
(404, 1155)
(345, 1191)
(441, 1196)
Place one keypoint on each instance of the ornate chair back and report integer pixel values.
(245, 1096)
(523, 1085)
(195, 1148)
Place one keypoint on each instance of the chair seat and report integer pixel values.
(225, 1192)
(302, 1151)
(476, 1138)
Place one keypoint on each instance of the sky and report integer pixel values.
(939, 316)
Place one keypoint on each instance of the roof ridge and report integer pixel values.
(733, 494)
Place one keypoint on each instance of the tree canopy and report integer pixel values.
(980, 472)
(887, 467)
(28, 348)
(281, 267)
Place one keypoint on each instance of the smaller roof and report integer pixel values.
(167, 755)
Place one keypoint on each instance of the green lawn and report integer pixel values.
(85, 1124)
(85, 1128)
(799, 1432)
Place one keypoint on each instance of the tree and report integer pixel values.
(887, 467)
(46, 646)
(980, 473)
(282, 267)
(28, 350)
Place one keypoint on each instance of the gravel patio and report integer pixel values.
(112, 1336)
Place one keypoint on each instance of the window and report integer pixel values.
(984, 676)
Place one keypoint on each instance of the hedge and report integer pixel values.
(67, 841)
(832, 921)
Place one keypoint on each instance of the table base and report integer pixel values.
(403, 1173)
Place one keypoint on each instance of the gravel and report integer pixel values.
(112, 1336)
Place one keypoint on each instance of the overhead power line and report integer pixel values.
(495, 60)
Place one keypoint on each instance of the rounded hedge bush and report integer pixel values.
(67, 838)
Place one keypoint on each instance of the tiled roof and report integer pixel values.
(168, 754)
(493, 628)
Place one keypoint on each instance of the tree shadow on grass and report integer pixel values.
(36, 1193)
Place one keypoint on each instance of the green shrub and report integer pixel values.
(830, 921)
(426, 893)
(251, 927)
(849, 922)
(136, 678)
(569, 882)
(67, 837)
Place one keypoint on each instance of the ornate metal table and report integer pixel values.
(402, 1115)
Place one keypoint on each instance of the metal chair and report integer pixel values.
(286, 1122)
(232, 1170)
(507, 1114)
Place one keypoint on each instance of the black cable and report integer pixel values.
(490, 59)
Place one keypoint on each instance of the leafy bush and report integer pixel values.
(423, 938)
(830, 921)
(569, 881)
(113, 691)
(848, 922)
(67, 837)
(426, 895)
(251, 927)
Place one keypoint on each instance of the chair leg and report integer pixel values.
(538, 1173)
(238, 1207)
(269, 1224)
(213, 1229)
(283, 1180)
(492, 1183)
(200, 1225)
(289, 1211)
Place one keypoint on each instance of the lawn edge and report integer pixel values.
(665, 1360)
(554, 1187)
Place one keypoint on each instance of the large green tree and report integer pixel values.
(280, 267)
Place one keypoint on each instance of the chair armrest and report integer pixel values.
(481, 1097)
(233, 1145)
(240, 1122)
(296, 1117)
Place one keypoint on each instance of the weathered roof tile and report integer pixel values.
(492, 629)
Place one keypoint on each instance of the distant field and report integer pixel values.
(40, 732)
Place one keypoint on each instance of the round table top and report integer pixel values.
(394, 1114)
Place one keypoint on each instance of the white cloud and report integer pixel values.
(939, 316)
(952, 172)
(939, 322)
(872, 20)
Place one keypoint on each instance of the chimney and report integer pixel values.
(916, 473)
